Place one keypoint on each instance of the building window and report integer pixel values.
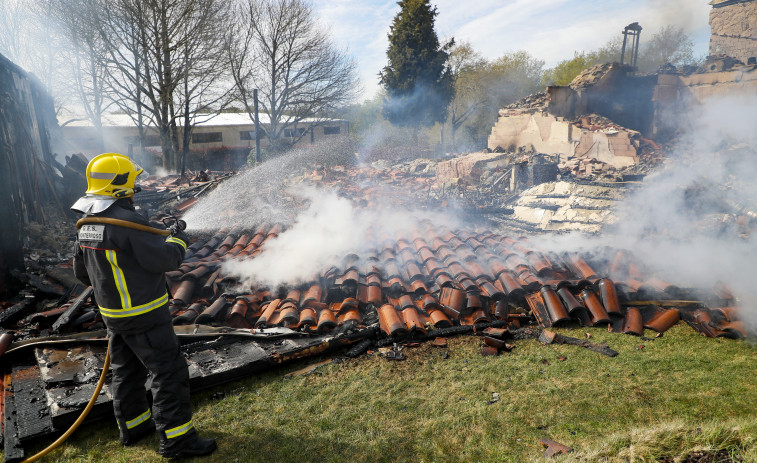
(131, 140)
(86, 143)
(332, 130)
(249, 135)
(207, 137)
(290, 133)
(152, 140)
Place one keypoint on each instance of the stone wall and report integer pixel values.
(740, 80)
(548, 134)
(734, 29)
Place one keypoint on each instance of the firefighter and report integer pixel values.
(126, 269)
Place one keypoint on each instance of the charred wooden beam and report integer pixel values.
(16, 311)
(549, 337)
(65, 318)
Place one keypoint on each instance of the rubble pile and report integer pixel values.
(647, 154)
(531, 103)
(567, 206)
(594, 75)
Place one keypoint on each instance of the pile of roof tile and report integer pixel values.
(435, 278)
(439, 277)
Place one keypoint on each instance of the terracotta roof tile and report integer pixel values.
(308, 318)
(633, 322)
(435, 276)
(326, 320)
(390, 322)
(184, 292)
(269, 311)
(555, 308)
(190, 315)
(238, 313)
(572, 303)
(213, 312)
(609, 297)
(597, 312)
(663, 321)
(349, 315)
(439, 319)
(413, 320)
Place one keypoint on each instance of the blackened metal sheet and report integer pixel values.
(75, 365)
(12, 449)
(217, 361)
(224, 359)
(67, 403)
(51, 389)
(32, 415)
(70, 376)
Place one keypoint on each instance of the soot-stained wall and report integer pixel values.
(26, 117)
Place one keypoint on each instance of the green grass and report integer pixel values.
(678, 394)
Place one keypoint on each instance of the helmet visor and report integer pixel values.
(138, 168)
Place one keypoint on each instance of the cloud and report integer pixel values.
(362, 27)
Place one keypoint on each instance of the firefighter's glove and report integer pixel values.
(182, 236)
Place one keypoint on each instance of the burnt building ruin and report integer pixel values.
(734, 29)
(27, 116)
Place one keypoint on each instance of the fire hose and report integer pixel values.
(81, 418)
(174, 225)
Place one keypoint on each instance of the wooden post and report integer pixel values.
(257, 127)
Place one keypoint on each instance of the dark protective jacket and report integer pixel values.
(126, 269)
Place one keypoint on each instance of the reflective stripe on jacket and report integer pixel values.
(126, 269)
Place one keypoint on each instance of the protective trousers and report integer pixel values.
(157, 352)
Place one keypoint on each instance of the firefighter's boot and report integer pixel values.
(191, 445)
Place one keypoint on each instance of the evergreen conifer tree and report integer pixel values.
(419, 84)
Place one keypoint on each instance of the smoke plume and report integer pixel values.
(692, 223)
(323, 234)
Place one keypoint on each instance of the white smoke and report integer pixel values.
(322, 226)
(258, 194)
(323, 234)
(693, 222)
(320, 237)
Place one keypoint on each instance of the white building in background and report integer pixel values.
(225, 131)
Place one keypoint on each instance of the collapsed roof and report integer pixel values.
(454, 261)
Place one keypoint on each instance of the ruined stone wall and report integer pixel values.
(548, 134)
(734, 29)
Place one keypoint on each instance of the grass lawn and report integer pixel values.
(657, 400)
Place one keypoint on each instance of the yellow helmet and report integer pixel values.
(112, 174)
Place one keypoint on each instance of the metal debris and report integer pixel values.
(549, 337)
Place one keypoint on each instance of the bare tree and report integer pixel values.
(29, 38)
(464, 62)
(84, 57)
(669, 45)
(13, 15)
(163, 60)
(122, 26)
(277, 48)
(203, 86)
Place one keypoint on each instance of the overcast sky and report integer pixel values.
(551, 30)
